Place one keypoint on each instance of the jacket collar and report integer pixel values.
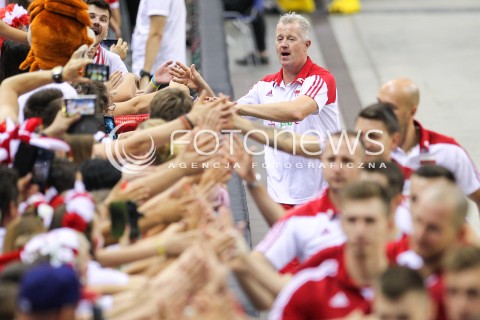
(424, 137)
(302, 75)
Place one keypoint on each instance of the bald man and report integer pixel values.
(419, 146)
(438, 227)
(438, 224)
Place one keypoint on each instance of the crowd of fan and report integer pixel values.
(88, 234)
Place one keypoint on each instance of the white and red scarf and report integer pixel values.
(99, 57)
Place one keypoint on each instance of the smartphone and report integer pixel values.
(109, 125)
(41, 167)
(35, 160)
(133, 217)
(24, 158)
(82, 105)
(97, 72)
(85, 106)
(107, 43)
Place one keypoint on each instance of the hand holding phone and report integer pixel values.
(82, 105)
(107, 43)
(35, 160)
(86, 107)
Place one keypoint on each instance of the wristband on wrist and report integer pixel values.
(57, 74)
(160, 249)
(163, 86)
(153, 84)
(144, 73)
(185, 122)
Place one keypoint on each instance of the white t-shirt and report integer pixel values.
(113, 60)
(68, 91)
(435, 148)
(295, 179)
(173, 45)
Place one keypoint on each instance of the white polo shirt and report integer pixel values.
(295, 179)
(173, 45)
(435, 148)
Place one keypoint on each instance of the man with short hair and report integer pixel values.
(438, 224)
(380, 131)
(462, 284)
(438, 216)
(381, 134)
(301, 97)
(401, 294)
(419, 146)
(170, 103)
(100, 14)
(420, 180)
(343, 283)
(159, 36)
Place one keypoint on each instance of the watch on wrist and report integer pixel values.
(144, 74)
(57, 74)
(253, 184)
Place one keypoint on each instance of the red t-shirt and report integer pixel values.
(302, 232)
(326, 292)
(398, 253)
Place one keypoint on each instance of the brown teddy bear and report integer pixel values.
(57, 29)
